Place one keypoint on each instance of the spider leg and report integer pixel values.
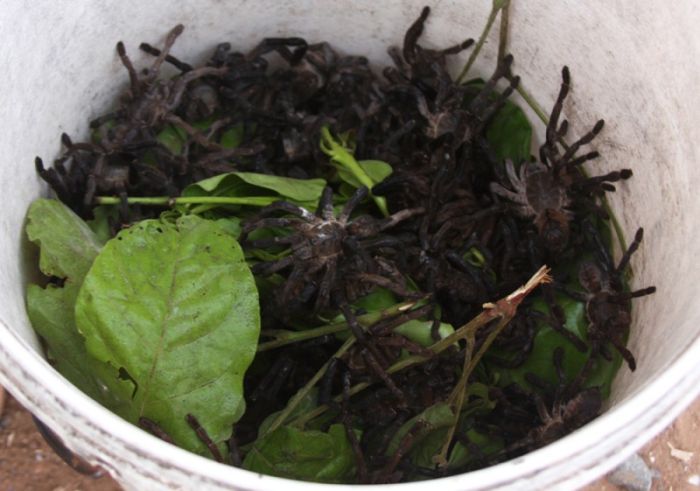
(549, 148)
(379, 371)
(582, 159)
(398, 217)
(325, 204)
(482, 99)
(326, 285)
(491, 109)
(624, 261)
(269, 242)
(410, 40)
(635, 294)
(352, 203)
(360, 463)
(626, 354)
(193, 132)
(91, 185)
(281, 46)
(204, 437)
(53, 179)
(268, 268)
(457, 48)
(399, 341)
(152, 72)
(585, 139)
(133, 76)
(556, 323)
(153, 51)
(602, 181)
(286, 207)
(265, 222)
(388, 284)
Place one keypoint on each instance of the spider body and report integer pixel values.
(608, 308)
(321, 244)
(550, 191)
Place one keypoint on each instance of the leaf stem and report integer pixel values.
(188, 200)
(285, 337)
(504, 309)
(480, 43)
(304, 391)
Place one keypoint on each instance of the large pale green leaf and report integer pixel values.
(176, 307)
(67, 245)
(304, 455)
(67, 249)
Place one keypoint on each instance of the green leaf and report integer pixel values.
(305, 192)
(307, 403)
(173, 138)
(376, 170)
(304, 455)
(232, 137)
(342, 157)
(547, 340)
(510, 133)
(418, 331)
(67, 245)
(176, 307)
(100, 223)
(437, 416)
(67, 249)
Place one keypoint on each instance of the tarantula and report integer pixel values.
(547, 192)
(321, 244)
(607, 304)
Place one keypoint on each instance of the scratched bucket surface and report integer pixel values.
(633, 63)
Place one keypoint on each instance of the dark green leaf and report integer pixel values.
(304, 455)
(308, 402)
(173, 138)
(175, 306)
(547, 340)
(232, 137)
(67, 250)
(510, 133)
(438, 416)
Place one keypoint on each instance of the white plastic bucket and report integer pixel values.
(633, 63)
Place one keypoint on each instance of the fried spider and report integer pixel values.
(570, 409)
(548, 192)
(608, 306)
(321, 244)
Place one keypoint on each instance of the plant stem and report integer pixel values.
(189, 200)
(284, 337)
(304, 391)
(480, 43)
(504, 309)
(503, 30)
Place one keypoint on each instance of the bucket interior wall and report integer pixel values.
(631, 62)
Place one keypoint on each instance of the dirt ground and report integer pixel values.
(28, 464)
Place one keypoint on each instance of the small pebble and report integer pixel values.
(632, 475)
(10, 439)
(694, 480)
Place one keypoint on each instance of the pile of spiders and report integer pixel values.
(461, 227)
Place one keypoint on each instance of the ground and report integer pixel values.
(27, 463)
